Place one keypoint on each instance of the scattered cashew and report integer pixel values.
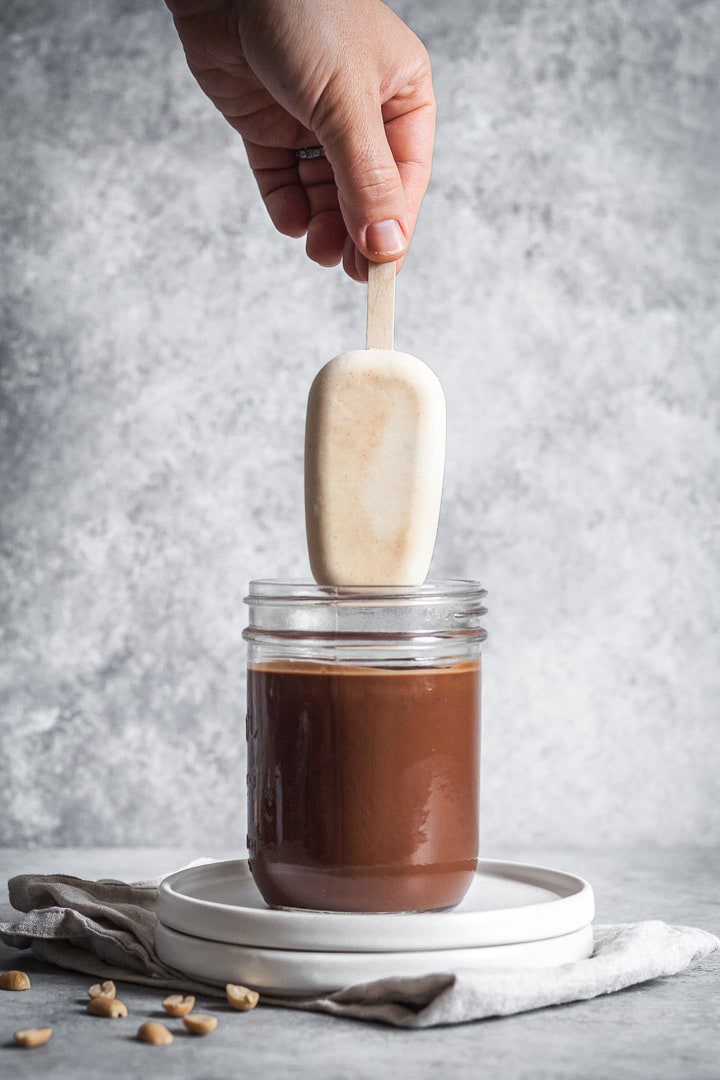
(156, 1034)
(240, 997)
(30, 1037)
(177, 1005)
(103, 1002)
(14, 980)
(110, 1007)
(200, 1023)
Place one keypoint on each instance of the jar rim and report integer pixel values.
(291, 590)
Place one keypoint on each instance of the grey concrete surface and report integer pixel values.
(665, 1029)
(158, 341)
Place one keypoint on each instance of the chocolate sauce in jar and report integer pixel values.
(363, 785)
(363, 753)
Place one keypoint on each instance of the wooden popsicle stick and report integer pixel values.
(380, 306)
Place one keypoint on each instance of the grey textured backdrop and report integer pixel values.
(158, 342)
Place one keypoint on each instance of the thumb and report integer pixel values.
(370, 191)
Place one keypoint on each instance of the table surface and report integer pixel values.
(668, 1028)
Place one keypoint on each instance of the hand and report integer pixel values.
(347, 75)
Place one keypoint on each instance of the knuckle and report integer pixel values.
(376, 181)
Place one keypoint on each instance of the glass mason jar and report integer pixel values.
(363, 734)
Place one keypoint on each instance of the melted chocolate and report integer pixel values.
(363, 785)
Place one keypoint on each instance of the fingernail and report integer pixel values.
(385, 238)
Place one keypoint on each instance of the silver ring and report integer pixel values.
(310, 152)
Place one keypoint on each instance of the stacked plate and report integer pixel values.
(214, 925)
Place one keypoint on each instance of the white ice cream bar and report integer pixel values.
(374, 460)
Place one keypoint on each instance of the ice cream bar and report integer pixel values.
(374, 457)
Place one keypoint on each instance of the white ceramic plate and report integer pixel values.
(507, 903)
(291, 972)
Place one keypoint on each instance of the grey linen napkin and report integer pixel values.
(106, 928)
